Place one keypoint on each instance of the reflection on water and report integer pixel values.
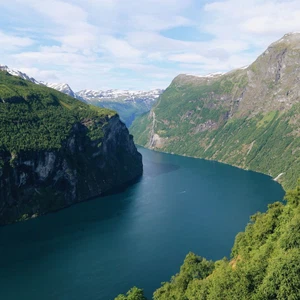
(100, 248)
(154, 169)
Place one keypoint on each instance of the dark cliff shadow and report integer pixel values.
(35, 239)
(154, 169)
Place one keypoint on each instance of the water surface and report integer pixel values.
(100, 248)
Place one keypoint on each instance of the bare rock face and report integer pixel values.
(34, 183)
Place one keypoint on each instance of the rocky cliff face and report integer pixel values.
(56, 151)
(248, 117)
(33, 183)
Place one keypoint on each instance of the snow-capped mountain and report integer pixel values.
(128, 104)
(114, 94)
(61, 87)
(19, 74)
(148, 97)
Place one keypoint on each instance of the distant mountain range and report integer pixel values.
(61, 87)
(120, 95)
(128, 104)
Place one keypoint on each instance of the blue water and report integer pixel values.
(98, 249)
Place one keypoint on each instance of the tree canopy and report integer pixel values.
(264, 264)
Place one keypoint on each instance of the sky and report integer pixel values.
(138, 45)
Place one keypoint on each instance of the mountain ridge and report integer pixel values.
(128, 103)
(61, 87)
(248, 117)
(56, 151)
(120, 95)
(18, 74)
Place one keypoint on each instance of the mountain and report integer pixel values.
(248, 117)
(61, 87)
(19, 74)
(56, 151)
(128, 104)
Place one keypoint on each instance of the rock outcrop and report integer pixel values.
(56, 151)
(34, 183)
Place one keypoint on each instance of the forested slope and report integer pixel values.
(56, 151)
(248, 117)
(264, 264)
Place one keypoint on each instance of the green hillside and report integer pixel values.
(34, 117)
(264, 262)
(247, 118)
(56, 151)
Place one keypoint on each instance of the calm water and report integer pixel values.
(98, 249)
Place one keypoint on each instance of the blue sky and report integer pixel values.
(102, 44)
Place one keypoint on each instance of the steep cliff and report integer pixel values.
(248, 117)
(56, 151)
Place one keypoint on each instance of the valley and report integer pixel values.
(214, 150)
(100, 248)
(128, 104)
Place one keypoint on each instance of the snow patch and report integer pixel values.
(211, 75)
(19, 74)
(119, 95)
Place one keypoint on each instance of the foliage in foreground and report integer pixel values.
(264, 265)
(132, 294)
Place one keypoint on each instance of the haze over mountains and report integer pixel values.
(129, 104)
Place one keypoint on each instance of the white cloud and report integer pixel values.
(120, 48)
(249, 19)
(188, 58)
(12, 42)
(96, 42)
(150, 23)
(59, 58)
(43, 75)
(275, 24)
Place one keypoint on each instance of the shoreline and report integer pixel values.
(221, 162)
